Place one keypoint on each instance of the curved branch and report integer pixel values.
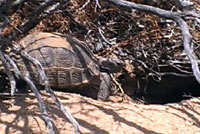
(42, 106)
(177, 17)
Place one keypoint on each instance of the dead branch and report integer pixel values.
(177, 17)
(8, 73)
(37, 64)
(17, 2)
(42, 106)
(44, 79)
(64, 110)
(36, 16)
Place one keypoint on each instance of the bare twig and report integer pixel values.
(97, 5)
(9, 73)
(179, 69)
(118, 84)
(104, 38)
(86, 3)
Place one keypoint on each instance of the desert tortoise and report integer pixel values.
(68, 63)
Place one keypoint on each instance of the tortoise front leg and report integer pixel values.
(104, 87)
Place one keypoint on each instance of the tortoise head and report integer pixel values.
(111, 65)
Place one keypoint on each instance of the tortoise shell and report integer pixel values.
(67, 62)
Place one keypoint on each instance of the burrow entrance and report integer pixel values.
(171, 89)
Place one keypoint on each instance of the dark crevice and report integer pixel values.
(171, 89)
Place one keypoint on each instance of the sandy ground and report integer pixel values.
(20, 115)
